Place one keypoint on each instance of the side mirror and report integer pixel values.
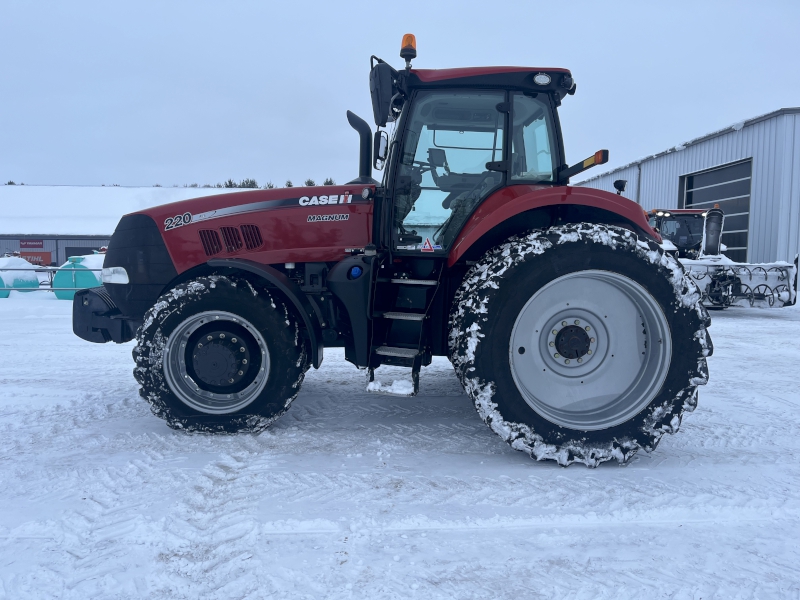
(437, 157)
(380, 149)
(381, 89)
(619, 185)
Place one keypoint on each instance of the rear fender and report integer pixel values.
(518, 208)
(290, 290)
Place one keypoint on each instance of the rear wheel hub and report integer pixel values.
(572, 342)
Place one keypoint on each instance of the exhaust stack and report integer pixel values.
(712, 232)
(365, 152)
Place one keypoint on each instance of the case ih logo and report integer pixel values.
(318, 218)
(323, 200)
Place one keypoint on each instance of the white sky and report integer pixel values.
(195, 92)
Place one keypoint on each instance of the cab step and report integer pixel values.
(402, 281)
(401, 316)
(397, 352)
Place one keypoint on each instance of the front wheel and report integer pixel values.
(217, 354)
(580, 343)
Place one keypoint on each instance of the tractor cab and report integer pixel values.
(682, 227)
(452, 137)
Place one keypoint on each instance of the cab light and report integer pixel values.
(599, 158)
(408, 48)
(114, 275)
(541, 79)
(659, 214)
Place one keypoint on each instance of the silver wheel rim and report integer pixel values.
(590, 350)
(192, 392)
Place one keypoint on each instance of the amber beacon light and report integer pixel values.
(408, 49)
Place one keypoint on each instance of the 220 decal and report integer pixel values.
(177, 221)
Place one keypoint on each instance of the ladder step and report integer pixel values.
(398, 352)
(415, 281)
(402, 316)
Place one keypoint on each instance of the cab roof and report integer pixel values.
(560, 80)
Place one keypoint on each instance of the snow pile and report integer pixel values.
(89, 261)
(398, 387)
(16, 277)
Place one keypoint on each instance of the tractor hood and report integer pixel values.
(302, 224)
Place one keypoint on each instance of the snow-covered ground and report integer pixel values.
(356, 495)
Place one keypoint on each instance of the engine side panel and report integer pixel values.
(291, 225)
(513, 200)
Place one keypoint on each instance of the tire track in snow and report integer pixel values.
(211, 536)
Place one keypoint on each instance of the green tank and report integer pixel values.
(24, 281)
(76, 274)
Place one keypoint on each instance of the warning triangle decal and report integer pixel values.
(427, 246)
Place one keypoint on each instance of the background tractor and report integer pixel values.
(695, 234)
(575, 334)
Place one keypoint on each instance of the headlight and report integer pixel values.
(114, 275)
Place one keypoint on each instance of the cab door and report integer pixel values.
(451, 158)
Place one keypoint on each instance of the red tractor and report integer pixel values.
(577, 337)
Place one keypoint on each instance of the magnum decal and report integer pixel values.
(318, 218)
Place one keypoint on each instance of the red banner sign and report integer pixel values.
(31, 243)
(37, 258)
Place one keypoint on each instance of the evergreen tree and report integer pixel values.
(248, 183)
(269, 186)
(310, 183)
(329, 181)
(289, 183)
(11, 183)
(230, 184)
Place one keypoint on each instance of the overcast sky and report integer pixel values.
(160, 92)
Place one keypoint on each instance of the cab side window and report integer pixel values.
(532, 148)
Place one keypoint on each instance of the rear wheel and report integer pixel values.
(218, 354)
(580, 344)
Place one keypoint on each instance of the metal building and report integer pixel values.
(751, 169)
(51, 250)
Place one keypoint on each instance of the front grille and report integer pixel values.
(232, 239)
(252, 237)
(210, 240)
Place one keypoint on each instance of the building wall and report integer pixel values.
(55, 245)
(773, 144)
